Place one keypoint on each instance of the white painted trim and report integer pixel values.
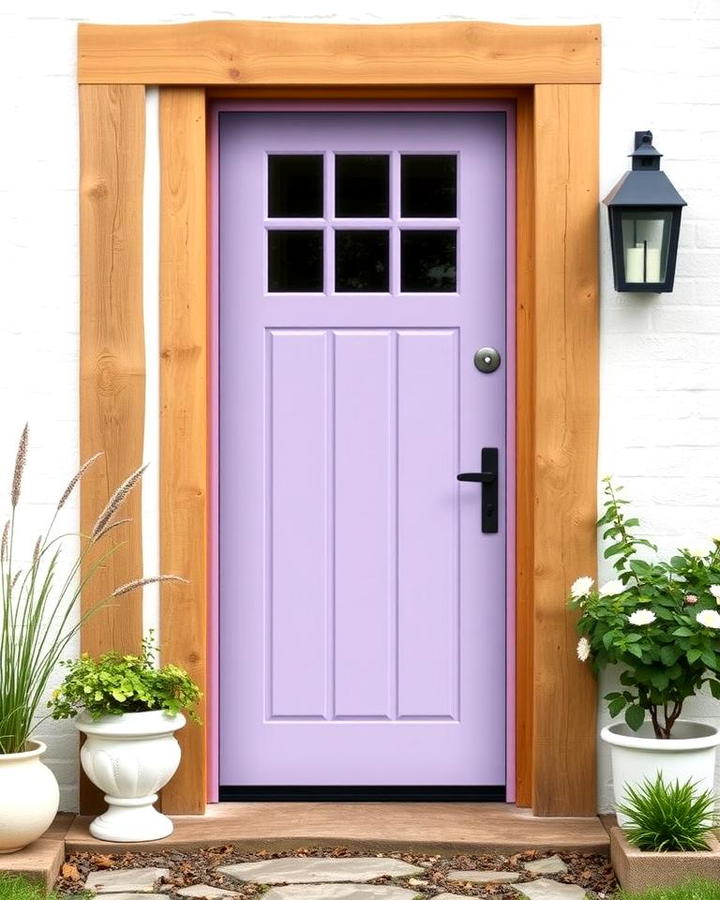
(151, 314)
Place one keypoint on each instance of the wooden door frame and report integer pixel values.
(552, 74)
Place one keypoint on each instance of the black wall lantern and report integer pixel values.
(645, 212)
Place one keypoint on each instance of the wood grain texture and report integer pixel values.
(566, 422)
(183, 416)
(364, 92)
(112, 353)
(266, 53)
(525, 448)
(443, 828)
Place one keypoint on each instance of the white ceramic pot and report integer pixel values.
(637, 755)
(130, 757)
(29, 797)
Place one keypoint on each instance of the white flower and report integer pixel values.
(642, 617)
(715, 591)
(710, 618)
(581, 587)
(699, 550)
(612, 588)
(583, 649)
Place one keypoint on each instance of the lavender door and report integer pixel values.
(362, 617)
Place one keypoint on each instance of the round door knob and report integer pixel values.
(487, 359)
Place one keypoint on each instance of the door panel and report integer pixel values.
(362, 624)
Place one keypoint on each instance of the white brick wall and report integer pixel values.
(660, 420)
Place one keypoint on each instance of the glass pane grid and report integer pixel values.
(411, 249)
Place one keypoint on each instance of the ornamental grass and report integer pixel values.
(38, 603)
(668, 817)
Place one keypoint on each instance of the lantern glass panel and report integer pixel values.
(645, 241)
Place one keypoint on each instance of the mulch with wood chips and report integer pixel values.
(590, 871)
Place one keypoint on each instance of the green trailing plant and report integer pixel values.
(118, 683)
(658, 620)
(38, 602)
(664, 817)
(692, 889)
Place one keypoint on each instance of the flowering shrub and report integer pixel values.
(659, 620)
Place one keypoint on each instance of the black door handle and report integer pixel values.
(484, 477)
(489, 480)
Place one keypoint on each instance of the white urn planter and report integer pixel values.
(639, 755)
(130, 757)
(29, 797)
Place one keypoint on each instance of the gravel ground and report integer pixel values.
(591, 872)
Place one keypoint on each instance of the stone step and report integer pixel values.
(312, 870)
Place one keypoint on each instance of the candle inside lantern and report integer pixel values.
(635, 264)
(652, 265)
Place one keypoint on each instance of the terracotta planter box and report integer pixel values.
(638, 870)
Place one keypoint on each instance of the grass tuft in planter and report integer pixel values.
(668, 817)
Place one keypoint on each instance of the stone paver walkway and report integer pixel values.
(334, 877)
(477, 876)
(119, 881)
(205, 892)
(293, 870)
(132, 895)
(339, 892)
(547, 889)
(550, 865)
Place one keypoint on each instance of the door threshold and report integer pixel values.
(363, 793)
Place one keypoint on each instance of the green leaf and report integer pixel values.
(709, 658)
(682, 631)
(694, 655)
(615, 549)
(617, 706)
(714, 688)
(669, 654)
(634, 716)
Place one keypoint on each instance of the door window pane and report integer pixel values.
(428, 186)
(295, 186)
(428, 261)
(362, 186)
(361, 261)
(295, 261)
